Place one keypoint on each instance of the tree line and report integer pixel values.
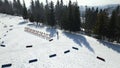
(65, 17)
(102, 23)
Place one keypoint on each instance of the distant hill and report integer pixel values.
(110, 8)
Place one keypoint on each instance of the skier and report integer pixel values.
(57, 35)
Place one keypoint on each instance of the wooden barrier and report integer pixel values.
(33, 60)
(66, 51)
(53, 55)
(2, 45)
(51, 40)
(6, 65)
(75, 48)
(29, 46)
(37, 33)
(100, 58)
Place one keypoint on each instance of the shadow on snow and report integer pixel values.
(23, 22)
(35, 25)
(79, 39)
(52, 31)
(114, 47)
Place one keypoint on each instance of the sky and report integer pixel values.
(82, 2)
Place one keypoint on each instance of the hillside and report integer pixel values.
(69, 51)
(109, 7)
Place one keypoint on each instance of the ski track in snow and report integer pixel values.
(16, 53)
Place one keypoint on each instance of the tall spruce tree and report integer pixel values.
(1, 4)
(112, 26)
(70, 17)
(74, 22)
(90, 19)
(101, 27)
(17, 7)
(37, 11)
(14, 7)
(47, 12)
(77, 20)
(24, 13)
(51, 20)
(117, 34)
(7, 7)
(32, 11)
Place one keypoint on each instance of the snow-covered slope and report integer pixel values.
(16, 53)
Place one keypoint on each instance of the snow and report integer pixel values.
(18, 55)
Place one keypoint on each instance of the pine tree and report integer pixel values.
(1, 6)
(101, 27)
(90, 19)
(47, 12)
(64, 19)
(77, 21)
(24, 13)
(112, 26)
(51, 20)
(87, 19)
(19, 7)
(14, 7)
(117, 34)
(57, 12)
(32, 11)
(37, 11)
(7, 7)
(70, 17)
(42, 13)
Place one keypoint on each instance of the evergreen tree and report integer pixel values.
(70, 17)
(87, 19)
(42, 13)
(77, 21)
(47, 12)
(32, 11)
(1, 6)
(117, 34)
(37, 11)
(51, 20)
(90, 19)
(17, 7)
(7, 7)
(112, 26)
(24, 13)
(64, 19)
(57, 12)
(101, 27)
(73, 23)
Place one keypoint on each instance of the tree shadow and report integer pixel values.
(31, 25)
(52, 31)
(35, 25)
(114, 47)
(40, 25)
(79, 39)
(23, 22)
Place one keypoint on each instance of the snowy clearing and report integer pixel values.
(69, 51)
